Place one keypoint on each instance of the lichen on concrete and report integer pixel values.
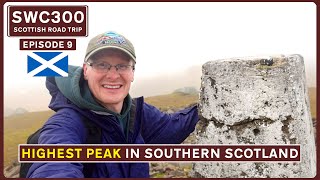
(245, 102)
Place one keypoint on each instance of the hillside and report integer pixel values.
(18, 127)
(172, 101)
(313, 102)
(16, 130)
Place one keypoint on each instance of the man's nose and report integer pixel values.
(113, 73)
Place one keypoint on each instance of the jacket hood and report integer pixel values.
(75, 88)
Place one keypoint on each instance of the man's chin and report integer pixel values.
(112, 101)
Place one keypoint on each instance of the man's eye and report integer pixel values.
(122, 66)
(102, 65)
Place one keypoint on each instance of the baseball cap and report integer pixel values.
(110, 40)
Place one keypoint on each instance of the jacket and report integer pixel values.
(147, 125)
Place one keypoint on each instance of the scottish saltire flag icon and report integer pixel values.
(48, 64)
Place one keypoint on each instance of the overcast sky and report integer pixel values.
(171, 37)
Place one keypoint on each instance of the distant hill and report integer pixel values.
(187, 90)
(20, 111)
(10, 112)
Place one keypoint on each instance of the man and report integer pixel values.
(99, 92)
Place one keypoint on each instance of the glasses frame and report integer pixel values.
(108, 69)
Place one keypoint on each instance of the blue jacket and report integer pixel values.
(147, 126)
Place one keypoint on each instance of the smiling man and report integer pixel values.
(109, 74)
(98, 94)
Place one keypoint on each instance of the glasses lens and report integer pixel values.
(101, 66)
(105, 67)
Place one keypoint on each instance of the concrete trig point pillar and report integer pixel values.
(256, 100)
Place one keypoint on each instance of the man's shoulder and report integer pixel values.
(140, 98)
(66, 116)
(138, 101)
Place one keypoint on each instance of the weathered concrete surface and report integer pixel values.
(244, 102)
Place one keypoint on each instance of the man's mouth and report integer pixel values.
(112, 86)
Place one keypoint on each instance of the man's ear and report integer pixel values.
(132, 79)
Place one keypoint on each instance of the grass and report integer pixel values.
(159, 175)
(17, 128)
(313, 102)
(172, 101)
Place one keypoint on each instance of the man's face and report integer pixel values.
(109, 87)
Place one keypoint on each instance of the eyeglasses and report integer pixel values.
(105, 67)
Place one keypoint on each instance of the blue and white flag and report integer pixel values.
(48, 64)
